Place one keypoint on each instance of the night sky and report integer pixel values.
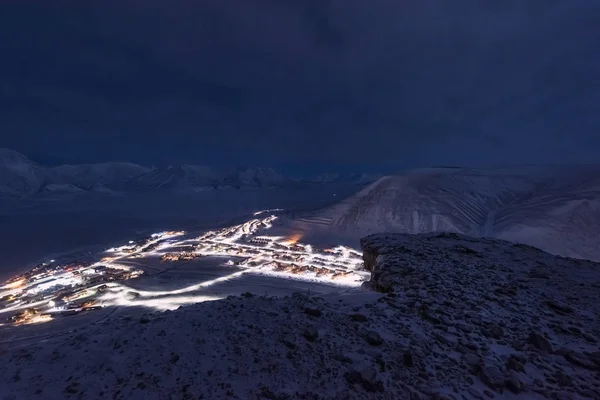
(302, 85)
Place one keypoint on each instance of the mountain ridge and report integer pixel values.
(22, 177)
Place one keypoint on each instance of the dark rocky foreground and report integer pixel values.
(459, 318)
(510, 316)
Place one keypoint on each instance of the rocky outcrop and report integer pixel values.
(511, 317)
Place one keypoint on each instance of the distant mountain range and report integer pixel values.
(554, 208)
(21, 177)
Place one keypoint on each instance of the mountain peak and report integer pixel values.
(12, 156)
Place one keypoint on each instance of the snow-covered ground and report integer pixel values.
(462, 318)
(554, 208)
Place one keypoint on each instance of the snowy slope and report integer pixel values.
(194, 178)
(18, 175)
(465, 319)
(553, 208)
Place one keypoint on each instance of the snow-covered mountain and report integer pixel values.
(20, 177)
(198, 178)
(554, 208)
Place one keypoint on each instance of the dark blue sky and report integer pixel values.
(302, 85)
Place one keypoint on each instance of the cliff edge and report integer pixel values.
(512, 316)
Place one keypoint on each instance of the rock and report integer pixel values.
(472, 360)
(517, 344)
(446, 338)
(358, 317)
(367, 377)
(431, 317)
(313, 312)
(513, 383)
(342, 357)
(472, 346)
(289, 340)
(461, 349)
(539, 342)
(581, 360)
(373, 338)
(562, 351)
(353, 377)
(407, 359)
(493, 331)
(311, 334)
(472, 315)
(589, 337)
(563, 379)
(464, 327)
(559, 307)
(492, 376)
(595, 357)
(513, 364)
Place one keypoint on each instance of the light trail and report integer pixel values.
(191, 288)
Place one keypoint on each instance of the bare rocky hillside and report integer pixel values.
(455, 318)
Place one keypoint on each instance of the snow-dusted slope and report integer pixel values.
(193, 177)
(19, 175)
(554, 208)
(464, 319)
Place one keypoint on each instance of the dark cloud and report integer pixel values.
(302, 84)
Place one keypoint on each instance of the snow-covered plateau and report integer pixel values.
(454, 318)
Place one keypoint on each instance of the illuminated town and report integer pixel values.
(55, 289)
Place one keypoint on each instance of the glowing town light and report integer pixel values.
(266, 211)
(293, 239)
(278, 256)
(15, 284)
(161, 304)
(38, 319)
